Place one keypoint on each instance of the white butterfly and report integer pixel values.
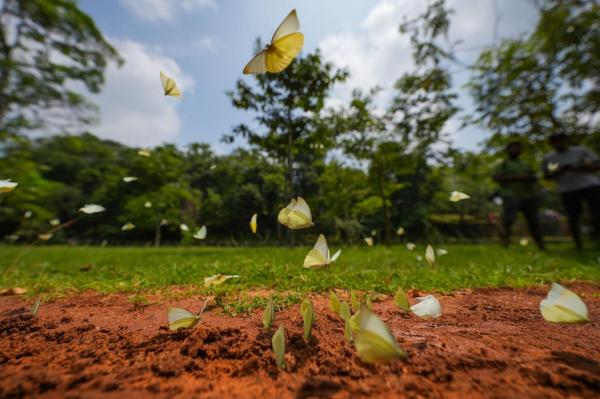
(563, 306)
(427, 308)
(456, 196)
(319, 256)
(201, 233)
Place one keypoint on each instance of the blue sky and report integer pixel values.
(205, 44)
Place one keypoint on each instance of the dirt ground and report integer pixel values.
(489, 343)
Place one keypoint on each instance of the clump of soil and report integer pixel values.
(488, 343)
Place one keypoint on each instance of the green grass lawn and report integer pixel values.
(57, 270)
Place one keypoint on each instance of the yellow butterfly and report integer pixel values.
(400, 231)
(54, 222)
(563, 306)
(129, 179)
(319, 256)
(285, 45)
(401, 300)
(334, 302)
(144, 152)
(253, 223)
(278, 342)
(369, 241)
(456, 196)
(345, 311)
(182, 318)
(127, 227)
(430, 255)
(374, 342)
(218, 279)
(7, 186)
(147, 204)
(524, 242)
(308, 317)
(169, 86)
(268, 315)
(45, 237)
(296, 215)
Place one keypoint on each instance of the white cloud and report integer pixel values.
(133, 109)
(376, 54)
(164, 10)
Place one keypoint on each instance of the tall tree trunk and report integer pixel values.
(387, 223)
(290, 168)
(157, 233)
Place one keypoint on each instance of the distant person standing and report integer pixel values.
(575, 168)
(519, 193)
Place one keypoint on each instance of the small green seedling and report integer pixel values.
(401, 300)
(334, 303)
(278, 342)
(308, 317)
(268, 315)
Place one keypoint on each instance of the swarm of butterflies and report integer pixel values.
(373, 340)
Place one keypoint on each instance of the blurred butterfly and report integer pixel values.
(129, 179)
(45, 237)
(218, 279)
(369, 241)
(374, 342)
(278, 342)
(169, 86)
(144, 152)
(296, 215)
(563, 306)
(268, 314)
(552, 167)
(456, 196)
(7, 186)
(54, 222)
(400, 231)
(319, 256)
(401, 300)
(410, 246)
(183, 318)
(253, 223)
(285, 45)
(427, 308)
(147, 204)
(430, 255)
(90, 209)
(184, 227)
(127, 227)
(201, 233)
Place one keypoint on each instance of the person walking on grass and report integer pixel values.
(575, 170)
(519, 193)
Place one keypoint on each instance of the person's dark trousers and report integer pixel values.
(573, 203)
(529, 207)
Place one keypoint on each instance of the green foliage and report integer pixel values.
(545, 82)
(45, 46)
(288, 107)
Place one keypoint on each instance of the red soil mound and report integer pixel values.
(488, 343)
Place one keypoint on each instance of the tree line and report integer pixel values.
(361, 169)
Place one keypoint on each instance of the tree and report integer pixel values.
(545, 82)
(288, 107)
(46, 48)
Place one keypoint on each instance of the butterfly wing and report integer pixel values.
(285, 212)
(290, 24)
(315, 259)
(283, 51)
(181, 318)
(374, 341)
(256, 64)
(563, 306)
(253, 223)
(336, 255)
(300, 216)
